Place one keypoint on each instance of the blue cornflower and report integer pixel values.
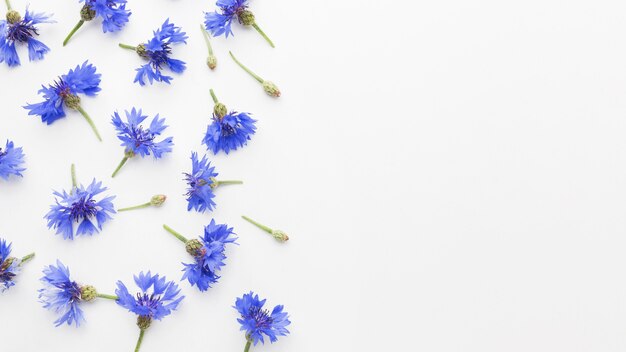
(61, 295)
(208, 253)
(11, 160)
(256, 321)
(157, 299)
(64, 92)
(201, 182)
(112, 12)
(157, 51)
(229, 130)
(137, 140)
(16, 29)
(219, 22)
(78, 207)
(9, 266)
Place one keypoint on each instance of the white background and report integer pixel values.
(452, 176)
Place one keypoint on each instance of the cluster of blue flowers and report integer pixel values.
(83, 210)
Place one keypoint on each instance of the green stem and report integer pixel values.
(258, 29)
(205, 34)
(213, 96)
(261, 226)
(136, 207)
(8, 5)
(126, 46)
(124, 160)
(140, 339)
(248, 344)
(78, 25)
(227, 182)
(27, 258)
(111, 297)
(73, 171)
(261, 80)
(176, 234)
(90, 121)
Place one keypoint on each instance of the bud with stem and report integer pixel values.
(269, 87)
(155, 201)
(277, 234)
(211, 60)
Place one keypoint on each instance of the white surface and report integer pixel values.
(451, 175)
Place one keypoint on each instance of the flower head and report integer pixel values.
(11, 160)
(9, 266)
(61, 295)
(22, 30)
(229, 132)
(209, 256)
(80, 208)
(256, 321)
(113, 13)
(199, 181)
(138, 140)
(157, 51)
(218, 22)
(156, 300)
(64, 92)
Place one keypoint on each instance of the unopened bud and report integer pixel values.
(271, 89)
(87, 13)
(13, 17)
(211, 61)
(88, 293)
(280, 235)
(158, 200)
(246, 17)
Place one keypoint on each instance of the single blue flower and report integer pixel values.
(81, 209)
(137, 140)
(9, 266)
(219, 22)
(61, 295)
(201, 182)
(11, 161)
(113, 13)
(157, 299)
(209, 255)
(64, 92)
(16, 29)
(157, 51)
(229, 130)
(256, 321)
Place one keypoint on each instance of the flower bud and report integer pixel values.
(158, 200)
(246, 17)
(271, 89)
(280, 235)
(72, 101)
(143, 322)
(87, 13)
(211, 61)
(193, 247)
(13, 17)
(220, 110)
(88, 293)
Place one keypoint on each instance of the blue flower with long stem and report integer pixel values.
(64, 296)
(78, 212)
(157, 299)
(256, 321)
(219, 22)
(64, 93)
(229, 130)
(15, 30)
(208, 253)
(9, 266)
(200, 184)
(139, 141)
(11, 160)
(157, 51)
(113, 13)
